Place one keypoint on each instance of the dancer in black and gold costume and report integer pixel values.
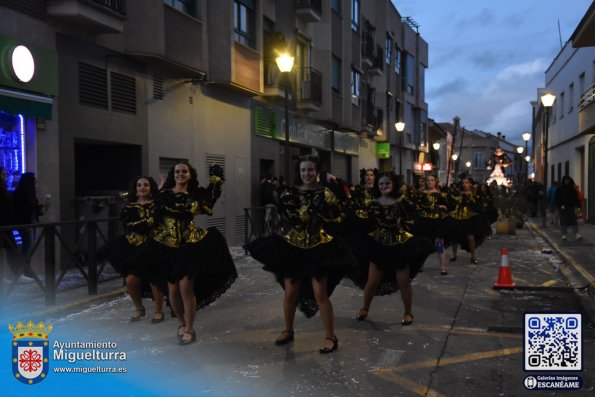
(306, 260)
(469, 227)
(137, 217)
(195, 262)
(394, 255)
(431, 217)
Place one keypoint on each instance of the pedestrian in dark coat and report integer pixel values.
(566, 199)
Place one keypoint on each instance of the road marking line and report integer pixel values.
(389, 373)
(410, 385)
(466, 331)
(451, 360)
(549, 283)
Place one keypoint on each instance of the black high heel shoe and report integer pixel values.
(184, 342)
(326, 350)
(157, 318)
(452, 258)
(138, 314)
(362, 314)
(179, 328)
(407, 322)
(285, 338)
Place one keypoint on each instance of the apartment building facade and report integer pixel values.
(127, 88)
(567, 129)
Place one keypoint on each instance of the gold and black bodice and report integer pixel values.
(463, 206)
(176, 211)
(387, 223)
(428, 204)
(138, 219)
(362, 196)
(304, 212)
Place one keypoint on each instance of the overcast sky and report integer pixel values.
(488, 58)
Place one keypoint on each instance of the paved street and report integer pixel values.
(466, 339)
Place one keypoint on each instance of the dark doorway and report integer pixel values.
(101, 167)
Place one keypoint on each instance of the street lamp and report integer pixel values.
(400, 126)
(547, 100)
(519, 150)
(527, 138)
(285, 64)
(436, 146)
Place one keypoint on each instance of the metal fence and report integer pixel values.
(75, 241)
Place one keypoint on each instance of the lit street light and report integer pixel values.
(527, 138)
(547, 100)
(400, 126)
(285, 64)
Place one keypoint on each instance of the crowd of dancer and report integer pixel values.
(378, 234)
(163, 248)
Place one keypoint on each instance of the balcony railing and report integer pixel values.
(118, 6)
(587, 98)
(310, 87)
(309, 10)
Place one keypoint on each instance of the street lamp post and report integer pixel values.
(520, 151)
(526, 138)
(400, 126)
(285, 64)
(547, 100)
(436, 146)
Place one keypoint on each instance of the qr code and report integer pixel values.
(553, 342)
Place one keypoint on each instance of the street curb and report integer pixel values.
(572, 274)
(68, 307)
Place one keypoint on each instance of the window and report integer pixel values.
(409, 78)
(336, 6)
(356, 80)
(355, 15)
(570, 97)
(243, 22)
(336, 75)
(478, 160)
(186, 6)
(561, 105)
(397, 60)
(566, 169)
(389, 49)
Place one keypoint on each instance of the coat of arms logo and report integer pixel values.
(30, 351)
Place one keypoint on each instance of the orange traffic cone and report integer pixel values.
(504, 276)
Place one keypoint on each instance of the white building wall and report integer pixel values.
(563, 78)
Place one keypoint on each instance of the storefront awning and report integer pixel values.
(27, 104)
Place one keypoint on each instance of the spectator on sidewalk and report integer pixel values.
(566, 199)
(27, 211)
(7, 243)
(551, 205)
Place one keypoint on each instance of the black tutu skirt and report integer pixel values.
(332, 260)
(433, 228)
(125, 259)
(208, 263)
(490, 214)
(477, 225)
(389, 259)
(118, 252)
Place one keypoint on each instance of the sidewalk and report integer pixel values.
(578, 255)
